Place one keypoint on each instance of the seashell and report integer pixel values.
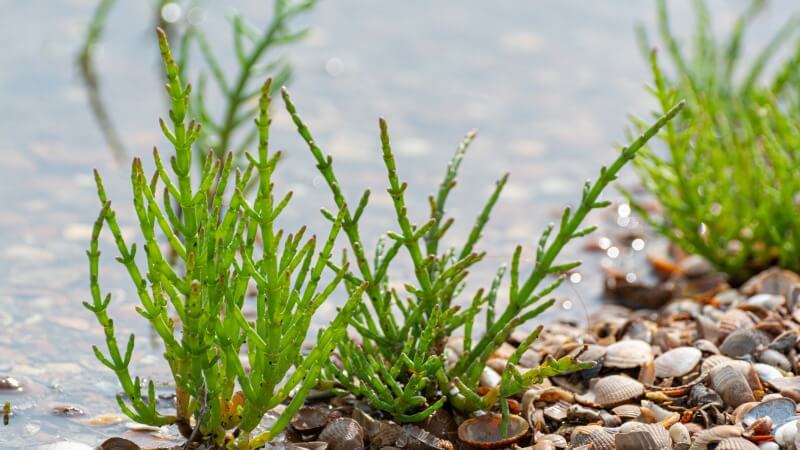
(766, 372)
(713, 361)
(767, 301)
(557, 411)
(714, 435)
(118, 443)
(695, 266)
(706, 346)
(677, 362)
(786, 434)
(627, 412)
(310, 420)
(741, 410)
(638, 436)
(743, 342)
(771, 281)
(769, 446)
(558, 440)
(103, 420)
(736, 443)
(732, 320)
(484, 431)
(780, 410)
(598, 438)
(583, 414)
(731, 385)
(343, 433)
(775, 358)
(701, 395)
(680, 436)
(759, 429)
(647, 374)
(613, 390)
(784, 341)
(530, 359)
(490, 378)
(787, 386)
(541, 445)
(497, 364)
(442, 424)
(311, 445)
(413, 437)
(628, 354)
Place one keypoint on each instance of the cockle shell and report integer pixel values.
(736, 443)
(627, 411)
(734, 319)
(628, 354)
(713, 361)
(343, 433)
(731, 385)
(677, 362)
(714, 435)
(613, 390)
(638, 436)
(598, 437)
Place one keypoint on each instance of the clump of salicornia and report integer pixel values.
(726, 175)
(257, 53)
(401, 365)
(226, 247)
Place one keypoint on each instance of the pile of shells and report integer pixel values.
(711, 368)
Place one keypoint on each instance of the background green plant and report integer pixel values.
(256, 53)
(401, 365)
(727, 178)
(219, 262)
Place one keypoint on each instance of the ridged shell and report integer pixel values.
(484, 431)
(732, 320)
(628, 354)
(614, 390)
(713, 361)
(677, 362)
(771, 281)
(731, 385)
(598, 437)
(343, 433)
(714, 435)
(638, 436)
(743, 342)
(557, 411)
(628, 411)
(736, 443)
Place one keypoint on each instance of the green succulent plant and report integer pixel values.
(401, 364)
(724, 172)
(226, 246)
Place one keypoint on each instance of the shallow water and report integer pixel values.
(548, 85)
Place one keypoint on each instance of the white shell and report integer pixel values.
(677, 362)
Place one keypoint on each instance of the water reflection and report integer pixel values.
(546, 92)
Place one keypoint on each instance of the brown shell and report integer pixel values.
(310, 420)
(734, 319)
(743, 342)
(713, 361)
(614, 390)
(343, 433)
(484, 431)
(677, 362)
(736, 443)
(731, 385)
(771, 281)
(638, 436)
(628, 354)
(596, 436)
(714, 435)
(627, 411)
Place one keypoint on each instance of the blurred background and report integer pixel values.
(549, 86)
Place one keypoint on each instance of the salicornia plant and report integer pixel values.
(226, 246)
(256, 51)
(726, 177)
(401, 365)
